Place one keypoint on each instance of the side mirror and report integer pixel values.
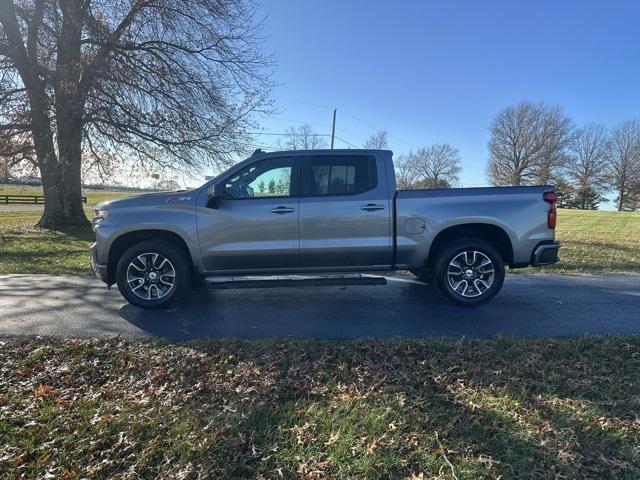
(215, 195)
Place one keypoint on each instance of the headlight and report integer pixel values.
(100, 214)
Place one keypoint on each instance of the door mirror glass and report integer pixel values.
(215, 194)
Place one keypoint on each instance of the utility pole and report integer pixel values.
(333, 129)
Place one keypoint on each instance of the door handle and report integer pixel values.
(281, 210)
(370, 207)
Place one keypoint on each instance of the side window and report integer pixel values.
(267, 178)
(342, 174)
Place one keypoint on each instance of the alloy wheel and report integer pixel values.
(470, 273)
(151, 276)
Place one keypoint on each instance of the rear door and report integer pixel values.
(255, 226)
(345, 212)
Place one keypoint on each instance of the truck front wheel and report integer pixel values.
(153, 274)
(469, 272)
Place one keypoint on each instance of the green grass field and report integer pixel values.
(26, 249)
(592, 242)
(93, 196)
(597, 242)
(273, 409)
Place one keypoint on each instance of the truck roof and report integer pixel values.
(324, 151)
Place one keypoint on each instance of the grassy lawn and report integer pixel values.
(416, 409)
(597, 242)
(93, 196)
(25, 249)
(592, 242)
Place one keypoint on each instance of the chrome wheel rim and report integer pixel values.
(151, 276)
(470, 273)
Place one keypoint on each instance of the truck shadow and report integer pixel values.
(399, 309)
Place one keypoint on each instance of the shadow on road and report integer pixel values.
(314, 312)
(529, 306)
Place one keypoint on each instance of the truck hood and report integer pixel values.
(145, 199)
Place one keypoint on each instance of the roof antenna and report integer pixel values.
(257, 151)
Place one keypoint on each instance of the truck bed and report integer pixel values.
(420, 215)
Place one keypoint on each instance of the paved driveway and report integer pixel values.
(529, 306)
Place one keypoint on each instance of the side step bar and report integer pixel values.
(280, 281)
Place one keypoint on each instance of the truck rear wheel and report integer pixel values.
(469, 272)
(153, 274)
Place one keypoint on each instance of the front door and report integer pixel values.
(345, 213)
(255, 225)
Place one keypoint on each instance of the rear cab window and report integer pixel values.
(340, 175)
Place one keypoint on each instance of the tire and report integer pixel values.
(423, 274)
(144, 273)
(477, 281)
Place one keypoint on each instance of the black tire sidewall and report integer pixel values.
(457, 247)
(170, 251)
(422, 274)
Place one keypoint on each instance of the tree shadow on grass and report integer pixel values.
(363, 409)
(373, 409)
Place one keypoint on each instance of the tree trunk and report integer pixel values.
(60, 173)
(58, 176)
(621, 189)
(62, 188)
(65, 195)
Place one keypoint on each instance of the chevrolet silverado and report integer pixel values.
(310, 212)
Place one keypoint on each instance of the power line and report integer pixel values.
(319, 105)
(319, 125)
(305, 103)
(344, 141)
(376, 128)
(358, 120)
(291, 120)
(358, 137)
(285, 134)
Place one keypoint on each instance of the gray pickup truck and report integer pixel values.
(321, 211)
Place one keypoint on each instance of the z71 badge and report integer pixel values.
(177, 199)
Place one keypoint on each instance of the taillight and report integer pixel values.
(552, 215)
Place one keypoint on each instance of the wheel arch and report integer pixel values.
(128, 239)
(492, 234)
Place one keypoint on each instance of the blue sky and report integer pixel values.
(432, 71)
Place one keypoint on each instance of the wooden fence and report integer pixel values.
(26, 199)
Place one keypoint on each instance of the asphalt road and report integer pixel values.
(528, 306)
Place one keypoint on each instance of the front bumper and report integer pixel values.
(545, 254)
(100, 271)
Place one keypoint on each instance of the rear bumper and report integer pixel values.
(545, 254)
(100, 271)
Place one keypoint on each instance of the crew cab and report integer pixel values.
(311, 212)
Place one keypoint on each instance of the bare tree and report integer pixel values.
(588, 165)
(527, 144)
(632, 198)
(623, 158)
(436, 166)
(169, 185)
(565, 192)
(377, 141)
(164, 82)
(406, 174)
(302, 138)
(14, 153)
